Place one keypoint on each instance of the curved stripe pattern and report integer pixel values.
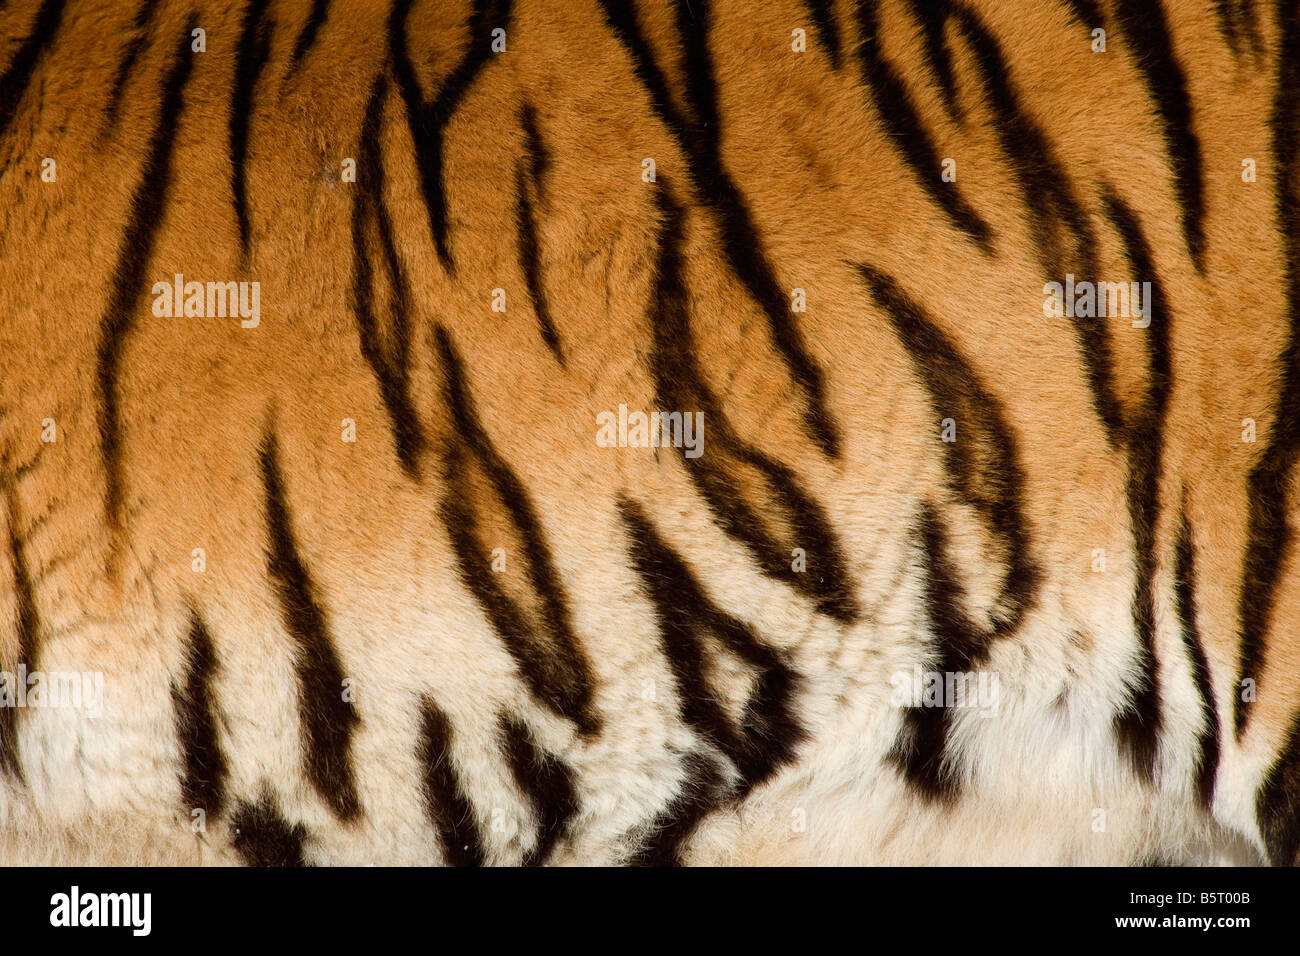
(902, 120)
(328, 721)
(388, 354)
(428, 121)
(148, 204)
(204, 769)
(450, 809)
(983, 471)
(741, 242)
(529, 610)
(756, 499)
(262, 837)
(1139, 721)
(1269, 534)
(692, 630)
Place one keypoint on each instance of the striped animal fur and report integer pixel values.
(354, 573)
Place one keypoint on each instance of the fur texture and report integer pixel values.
(476, 635)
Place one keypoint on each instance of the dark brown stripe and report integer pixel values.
(1239, 25)
(1226, 10)
(546, 781)
(741, 242)
(262, 837)
(528, 178)
(391, 366)
(1060, 228)
(1269, 533)
(1087, 12)
(141, 28)
(933, 16)
(902, 120)
(203, 780)
(328, 721)
(320, 11)
(428, 121)
(988, 476)
(1207, 763)
(147, 209)
(770, 731)
(983, 471)
(250, 58)
(1278, 803)
(18, 76)
(828, 31)
(921, 751)
(703, 790)
(549, 656)
(779, 516)
(740, 236)
(1144, 22)
(28, 625)
(1138, 722)
(1250, 26)
(450, 809)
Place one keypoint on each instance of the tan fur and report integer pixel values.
(826, 189)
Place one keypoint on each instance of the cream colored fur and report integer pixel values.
(827, 190)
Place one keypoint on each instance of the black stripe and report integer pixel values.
(391, 368)
(320, 11)
(548, 784)
(1207, 763)
(620, 15)
(250, 58)
(770, 731)
(328, 721)
(1269, 533)
(991, 480)
(1138, 722)
(988, 477)
(1226, 11)
(1058, 218)
(1239, 25)
(1061, 230)
(203, 782)
(448, 805)
(933, 15)
(549, 655)
(828, 31)
(147, 206)
(1278, 803)
(703, 790)
(534, 169)
(1250, 26)
(1087, 12)
(679, 385)
(28, 626)
(429, 121)
(902, 121)
(740, 237)
(921, 750)
(18, 76)
(1144, 22)
(741, 242)
(141, 27)
(262, 837)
